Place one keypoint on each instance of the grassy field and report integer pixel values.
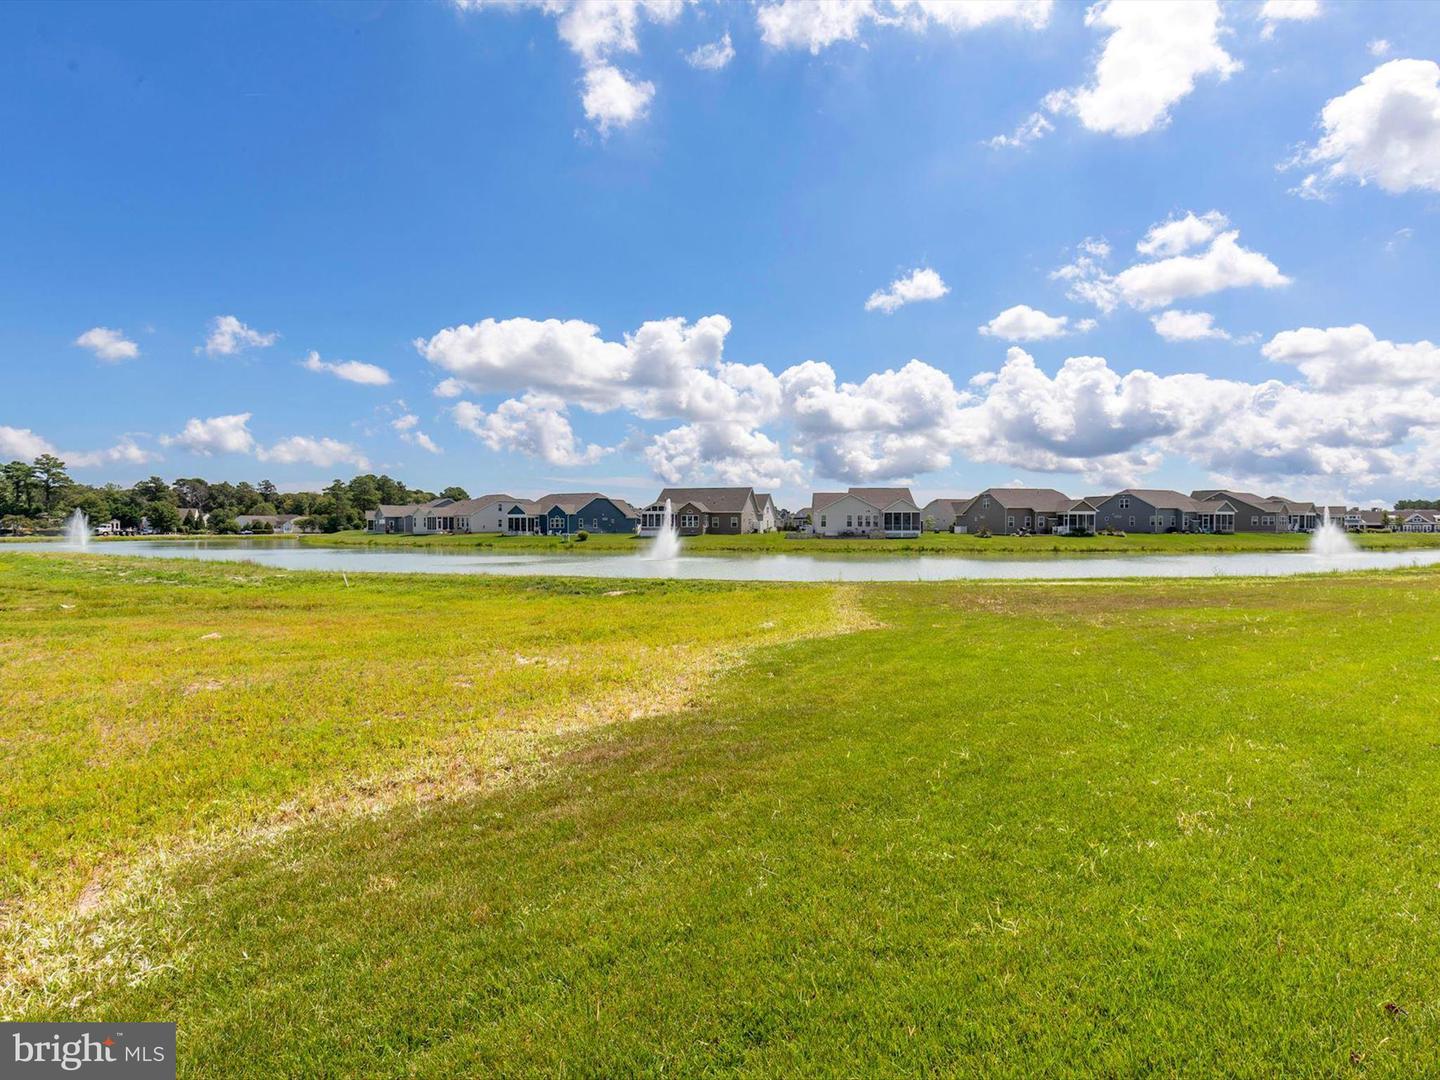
(929, 543)
(1173, 827)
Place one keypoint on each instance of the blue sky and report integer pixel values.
(353, 180)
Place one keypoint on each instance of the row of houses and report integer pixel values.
(693, 511)
(893, 512)
(885, 511)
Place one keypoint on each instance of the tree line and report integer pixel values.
(40, 494)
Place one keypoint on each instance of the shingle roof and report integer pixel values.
(716, 500)
(572, 502)
(1166, 499)
(1046, 500)
(883, 496)
(470, 506)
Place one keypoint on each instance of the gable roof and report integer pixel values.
(714, 500)
(1260, 502)
(470, 506)
(571, 502)
(762, 501)
(883, 496)
(957, 505)
(1166, 499)
(1045, 500)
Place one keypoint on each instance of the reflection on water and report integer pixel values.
(292, 555)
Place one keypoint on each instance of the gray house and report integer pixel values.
(726, 510)
(1159, 510)
(1016, 510)
(1263, 513)
(939, 515)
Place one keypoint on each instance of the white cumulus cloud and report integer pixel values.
(1275, 12)
(1176, 325)
(22, 444)
(407, 426)
(921, 283)
(1024, 323)
(349, 370)
(108, 345)
(309, 450)
(596, 31)
(1385, 131)
(815, 25)
(535, 425)
(1033, 127)
(1200, 259)
(1150, 61)
(712, 56)
(228, 336)
(214, 435)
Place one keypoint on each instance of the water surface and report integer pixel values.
(293, 555)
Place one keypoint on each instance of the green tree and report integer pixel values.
(163, 516)
(268, 491)
(19, 478)
(191, 492)
(151, 490)
(459, 494)
(365, 492)
(51, 475)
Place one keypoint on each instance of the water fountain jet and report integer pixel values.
(77, 529)
(1329, 541)
(667, 540)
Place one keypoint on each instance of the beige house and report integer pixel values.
(939, 515)
(889, 512)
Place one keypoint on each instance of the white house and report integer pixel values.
(1427, 521)
(889, 512)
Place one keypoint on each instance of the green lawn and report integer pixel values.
(1164, 827)
(931, 543)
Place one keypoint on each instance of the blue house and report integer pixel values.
(568, 513)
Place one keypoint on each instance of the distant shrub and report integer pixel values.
(983, 533)
(581, 536)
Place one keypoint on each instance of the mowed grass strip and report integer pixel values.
(1183, 828)
(145, 701)
(960, 544)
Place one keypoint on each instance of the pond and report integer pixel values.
(293, 555)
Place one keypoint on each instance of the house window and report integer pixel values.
(1010, 522)
(849, 521)
(1027, 521)
(1132, 521)
(985, 502)
(822, 521)
(734, 522)
(1125, 502)
(1254, 519)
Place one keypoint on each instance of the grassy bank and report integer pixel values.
(928, 543)
(1174, 827)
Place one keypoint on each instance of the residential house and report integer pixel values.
(1426, 521)
(1078, 519)
(1015, 510)
(1160, 510)
(190, 513)
(939, 515)
(802, 518)
(280, 523)
(1262, 513)
(730, 511)
(406, 518)
(1376, 520)
(485, 514)
(766, 513)
(865, 512)
(569, 513)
